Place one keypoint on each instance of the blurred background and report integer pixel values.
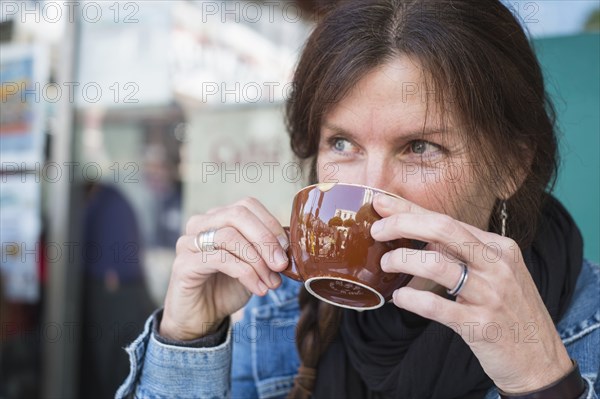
(119, 119)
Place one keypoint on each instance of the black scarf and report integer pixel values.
(392, 353)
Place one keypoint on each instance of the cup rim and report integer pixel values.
(311, 186)
(360, 309)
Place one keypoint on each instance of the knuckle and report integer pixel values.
(507, 242)
(180, 245)
(412, 208)
(432, 307)
(247, 274)
(191, 223)
(266, 237)
(493, 251)
(428, 269)
(394, 221)
(446, 226)
(239, 211)
(249, 201)
(248, 250)
(214, 210)
(438, 268)
(510, 248)
(273, 224)
(226, 235)
(496, 304)
(495, 298)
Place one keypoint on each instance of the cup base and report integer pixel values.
(345, 293)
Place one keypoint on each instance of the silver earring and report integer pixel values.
(503, 218)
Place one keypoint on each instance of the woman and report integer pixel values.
(442, 103)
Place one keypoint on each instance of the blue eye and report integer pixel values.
(422, 147)
(342, 145)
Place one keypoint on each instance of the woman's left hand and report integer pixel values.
(499, 312)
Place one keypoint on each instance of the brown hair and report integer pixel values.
(480, 64)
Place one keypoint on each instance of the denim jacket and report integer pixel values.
(258, 358)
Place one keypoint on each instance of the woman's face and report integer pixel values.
(384, 134)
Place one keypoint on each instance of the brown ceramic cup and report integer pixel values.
(332, 251)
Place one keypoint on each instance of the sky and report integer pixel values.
(553, 17)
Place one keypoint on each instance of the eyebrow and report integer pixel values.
(409, 136)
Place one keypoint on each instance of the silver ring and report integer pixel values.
(461, 281)
(205, 240)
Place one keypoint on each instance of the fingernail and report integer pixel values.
(262, 287)
(377, 226)
(384, 200)
(283, 241)
(280, 257)
(275, 280)
(385, 258)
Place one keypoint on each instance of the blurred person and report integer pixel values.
(115, 298)
(162, 179)
(161, 175)
(477, 99)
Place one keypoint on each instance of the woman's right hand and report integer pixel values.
(206, 287)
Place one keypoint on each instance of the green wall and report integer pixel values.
(572, 68)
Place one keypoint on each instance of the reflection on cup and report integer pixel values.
(332, 251)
